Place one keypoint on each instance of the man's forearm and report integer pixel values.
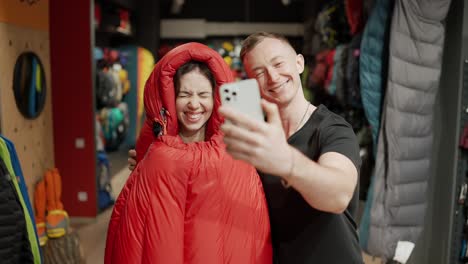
(327, 187)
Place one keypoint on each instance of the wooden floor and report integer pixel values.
(93, 234)
(371, 260)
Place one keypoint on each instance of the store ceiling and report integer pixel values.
(237, 10)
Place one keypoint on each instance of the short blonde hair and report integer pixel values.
(252, 40)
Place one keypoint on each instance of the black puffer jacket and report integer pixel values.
(14, 243)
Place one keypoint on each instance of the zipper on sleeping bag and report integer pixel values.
(160, 125)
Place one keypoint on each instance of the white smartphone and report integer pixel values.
(244, 96)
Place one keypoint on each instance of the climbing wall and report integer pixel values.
(24, 28)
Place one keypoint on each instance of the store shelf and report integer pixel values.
(126, 4)
(114, 32)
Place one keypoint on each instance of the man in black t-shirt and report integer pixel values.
(308, 156)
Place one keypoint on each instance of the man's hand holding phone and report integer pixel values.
(262, 144)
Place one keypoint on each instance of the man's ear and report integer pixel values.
(300, 63)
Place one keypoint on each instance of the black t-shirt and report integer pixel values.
(300, 233)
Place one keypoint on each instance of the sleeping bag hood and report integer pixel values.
(159, 95)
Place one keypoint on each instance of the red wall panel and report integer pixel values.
(73, 103)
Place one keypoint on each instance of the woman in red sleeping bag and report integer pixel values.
(188, 201)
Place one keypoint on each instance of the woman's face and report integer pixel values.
(194, 104)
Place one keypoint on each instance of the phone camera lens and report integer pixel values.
(228, 99)
(234, 93)
(226, 90)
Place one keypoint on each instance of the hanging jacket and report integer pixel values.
(341, 84)
(352, 73)
(355, 15)
(332, 23)
(23, 241)
(330, 60)
(187, 203)
(404, 155)
(14, 245)
(319, 73)
(16, 166)
(373, 68)
(337, 76)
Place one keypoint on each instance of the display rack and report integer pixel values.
(459, 238)
(442, 236)
(460, 219)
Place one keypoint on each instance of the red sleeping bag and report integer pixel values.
(188, 203)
